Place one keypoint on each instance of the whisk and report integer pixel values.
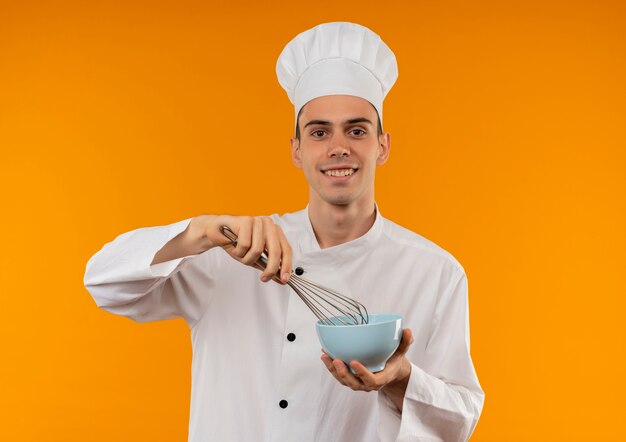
(330, 307)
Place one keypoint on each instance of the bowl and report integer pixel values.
(371, 344)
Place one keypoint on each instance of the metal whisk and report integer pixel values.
(330, 307)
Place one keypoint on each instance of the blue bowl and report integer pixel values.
(371, 344)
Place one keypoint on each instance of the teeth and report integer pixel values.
(339, 172)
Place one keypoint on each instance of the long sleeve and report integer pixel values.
(121, 280)
(443, 400)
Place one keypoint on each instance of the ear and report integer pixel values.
(384, 148)
(296, 156)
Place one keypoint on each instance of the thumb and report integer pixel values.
(407, 340)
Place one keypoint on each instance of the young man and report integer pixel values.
(256, 371)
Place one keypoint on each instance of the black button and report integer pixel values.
(283, 404)
(291, 337)
(299, 271)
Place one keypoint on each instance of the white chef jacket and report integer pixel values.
(244, 365)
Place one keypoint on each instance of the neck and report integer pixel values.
(337, 224)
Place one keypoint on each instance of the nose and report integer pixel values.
(339, 146)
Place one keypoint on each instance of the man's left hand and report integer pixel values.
(392, 380)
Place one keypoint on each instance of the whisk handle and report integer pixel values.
(228, 233)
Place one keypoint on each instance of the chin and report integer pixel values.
(339, 200)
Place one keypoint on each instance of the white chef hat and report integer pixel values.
(338, 58)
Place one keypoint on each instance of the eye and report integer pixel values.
(358, 132)
(318, 133)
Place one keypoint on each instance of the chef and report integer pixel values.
(257, 370)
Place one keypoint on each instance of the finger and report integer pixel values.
(331, 367)
(405, 343)
(256, 247)
(336, 367)
(286, 259)
(345, 377)
(273, 250)
(370, 380)
(244, 237)
(328, 362)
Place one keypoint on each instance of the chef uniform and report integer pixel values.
(256, 368)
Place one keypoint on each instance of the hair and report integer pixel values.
(379, 129)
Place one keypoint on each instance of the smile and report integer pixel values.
(339, 172)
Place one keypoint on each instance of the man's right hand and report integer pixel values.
(255, 234)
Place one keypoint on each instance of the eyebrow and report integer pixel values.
(350, 121)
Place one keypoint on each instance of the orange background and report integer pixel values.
(509, 150)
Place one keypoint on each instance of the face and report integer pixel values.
(339, 149)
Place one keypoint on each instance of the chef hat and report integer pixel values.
(338, 58)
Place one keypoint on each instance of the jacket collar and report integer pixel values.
(309, 247)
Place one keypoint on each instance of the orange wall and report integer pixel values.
(509, 150)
